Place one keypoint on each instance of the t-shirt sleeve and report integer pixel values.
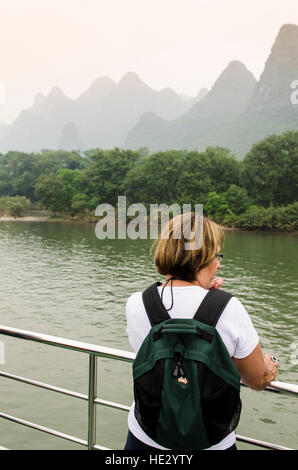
(137, 322)
(130, 323)
(246, 336)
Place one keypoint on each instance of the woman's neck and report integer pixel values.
(180, 282)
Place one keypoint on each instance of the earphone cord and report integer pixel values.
(172, 296)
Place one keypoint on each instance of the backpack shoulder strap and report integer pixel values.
(212, 306)
(154, 307)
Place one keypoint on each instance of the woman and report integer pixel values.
(190, 273)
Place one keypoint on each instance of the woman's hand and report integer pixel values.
(256, 370)
(272, 367)
(217, 283)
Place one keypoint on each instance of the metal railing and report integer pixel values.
(94, 352)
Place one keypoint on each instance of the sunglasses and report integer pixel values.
(219, 256)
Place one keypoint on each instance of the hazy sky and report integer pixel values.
(183, 44)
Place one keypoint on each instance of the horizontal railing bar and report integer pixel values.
(256, 442)
(64, 391)
(98, 401)
(247, 440)
(37, 427)
(280, 387)
(108, 352)
(98, 447)
(111, 404)
(79, 346)
(51, 388)
(76, 440)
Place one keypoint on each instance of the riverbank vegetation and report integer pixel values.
(259, 192)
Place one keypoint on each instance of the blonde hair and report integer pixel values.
(171, 257)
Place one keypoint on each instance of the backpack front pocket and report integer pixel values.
(147, 392)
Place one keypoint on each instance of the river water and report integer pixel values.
(59, 279)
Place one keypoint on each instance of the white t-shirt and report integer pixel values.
(234, 326)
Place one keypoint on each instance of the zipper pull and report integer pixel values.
(178, 369)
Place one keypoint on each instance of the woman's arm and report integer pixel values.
(256, 370)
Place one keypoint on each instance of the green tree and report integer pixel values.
(289, 217)
(59, 191)
(270, 170)
(205, 172)
(217, 206)
(5, 181)
(22, 172)
(237, 199)
(50, 192)
(194, 182)
(223, 168)
(79, 203)
(49, 161)
(154, 178)
(107, 172)
(15, 206)
(19, 171)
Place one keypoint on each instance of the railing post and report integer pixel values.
(92, 395)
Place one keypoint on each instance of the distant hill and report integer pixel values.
(205, 122)
(3, 128)
(118, 111)
(40, 126)
(270, 110)
(99, 117)
(69, 139)
(200, 95)
(237, 112)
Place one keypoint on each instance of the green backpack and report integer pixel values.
(186, 387)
